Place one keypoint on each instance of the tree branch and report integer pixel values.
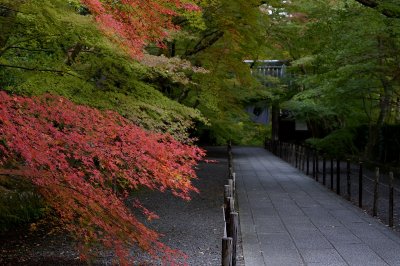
(376, 5)
(30, 50)
(205, 42)
(6, 48)
(40, 70)
(368, 3)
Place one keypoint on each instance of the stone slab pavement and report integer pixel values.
(287, 218)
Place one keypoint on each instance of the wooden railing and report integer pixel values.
(231, 217)
(369, 189)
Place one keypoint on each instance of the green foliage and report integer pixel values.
(234, 32)
(343, 64)
(240, 133)
(338, 144)
(252, 134)
(55, 47)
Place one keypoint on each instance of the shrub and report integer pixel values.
(337, 144)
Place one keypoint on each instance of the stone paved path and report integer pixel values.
(287, 218)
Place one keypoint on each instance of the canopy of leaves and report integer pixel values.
(343, 61)
(55, 47)
(134, 23)
(85, 162)
(233, 31)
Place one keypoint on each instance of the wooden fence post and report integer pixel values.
(313, 163)
(227, 194)
(324, 170)
(230, 172)
(229, 153)
(308, 161)
(234, 225)
(273, 142)
(232, 187)
(234, 183)
(285, 151)
(227, 191)
(331, 173)
(229, 239)
(226, 251)
(348, 179)
(229, 207)
(316, 166)
(376, 184)
(360, 185)
(391, 199)
(338, 176)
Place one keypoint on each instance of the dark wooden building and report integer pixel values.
(284, 126)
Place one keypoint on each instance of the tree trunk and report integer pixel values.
(275, 124)
(8, 13)
(73, 53)
(375, 129)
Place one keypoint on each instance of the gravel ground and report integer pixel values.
(194, 227)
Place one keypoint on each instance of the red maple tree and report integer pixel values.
(135, 23)
(85, 162)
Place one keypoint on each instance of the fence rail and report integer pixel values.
(372, 190)
(231, 217)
